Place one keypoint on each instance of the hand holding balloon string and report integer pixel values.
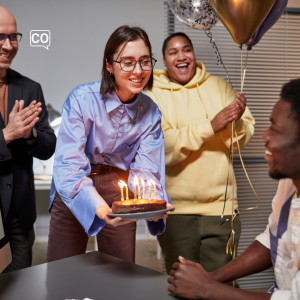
(232, 112)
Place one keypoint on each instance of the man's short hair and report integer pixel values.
(172, 36)
(291, 93)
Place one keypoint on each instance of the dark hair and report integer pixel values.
(172, 36)
(291, 93)
(123, 34)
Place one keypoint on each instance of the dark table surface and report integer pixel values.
(91, 275)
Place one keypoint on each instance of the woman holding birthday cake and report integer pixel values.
(197, 111)
(109, 132)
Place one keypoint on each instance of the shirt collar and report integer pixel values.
(112, 101)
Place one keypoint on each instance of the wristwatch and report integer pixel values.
(33, 135)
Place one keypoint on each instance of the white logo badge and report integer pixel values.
(40, 38)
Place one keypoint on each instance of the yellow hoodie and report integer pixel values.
(196, 158)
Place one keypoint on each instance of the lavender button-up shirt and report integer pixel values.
(88, 135)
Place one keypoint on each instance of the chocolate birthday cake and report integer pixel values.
(142, 205)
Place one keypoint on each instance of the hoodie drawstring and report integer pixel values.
(174, 107)
(202, 101)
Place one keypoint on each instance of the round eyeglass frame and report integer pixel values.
(136, 61)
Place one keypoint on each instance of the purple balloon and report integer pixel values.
(273, 16)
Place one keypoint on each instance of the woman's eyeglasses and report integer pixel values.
(128, 64)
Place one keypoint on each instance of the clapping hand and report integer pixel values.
(21, 120)
(240, 103)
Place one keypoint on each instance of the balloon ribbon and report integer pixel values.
(231, 247)
(219, 58)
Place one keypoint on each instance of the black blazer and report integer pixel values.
(16, 174)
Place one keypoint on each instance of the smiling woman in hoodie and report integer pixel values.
(197, 111)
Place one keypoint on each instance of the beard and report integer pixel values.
(277, 175)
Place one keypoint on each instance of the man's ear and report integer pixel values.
(109, 67)
(164, 61)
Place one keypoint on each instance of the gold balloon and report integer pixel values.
(242, 17)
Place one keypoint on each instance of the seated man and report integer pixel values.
(280, 243)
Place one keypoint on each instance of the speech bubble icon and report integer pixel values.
(40, 38)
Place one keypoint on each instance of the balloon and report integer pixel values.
(273, 16)
(242, 17)
(197, 14)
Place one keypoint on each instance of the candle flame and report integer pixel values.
(135, 181)
(143, 182)
(120, 184)
(124, 184)
(152, 181)
(149, 182)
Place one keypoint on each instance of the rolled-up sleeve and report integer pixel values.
(71, 168)
(283, 295)
(150, 163)
(264, 238)
(293, 294)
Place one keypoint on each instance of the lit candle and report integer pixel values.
(149, 183)
(143, 183)
(135, 183)
(124, 184)
(139, 191)
(153, 182)
(121, 187)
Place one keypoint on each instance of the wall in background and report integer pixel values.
(79, 31)
(293, 3)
